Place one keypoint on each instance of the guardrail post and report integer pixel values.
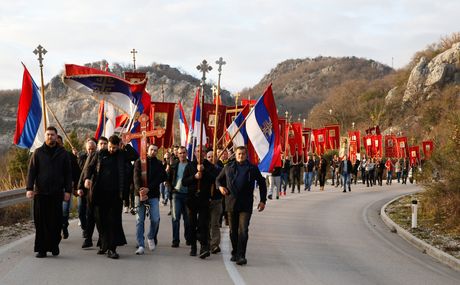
(414, 207)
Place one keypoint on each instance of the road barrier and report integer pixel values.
(12, 197)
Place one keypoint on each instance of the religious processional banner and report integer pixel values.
(306, 135)
(354, 139)
(320, 140)
(377, 148)
(367, 142)
(402, 147)
(162, 116)
(332, 137)
(295, 141)
(283, 133)
(391, 146)
(209, 115)
(427, 148)
(414, 155)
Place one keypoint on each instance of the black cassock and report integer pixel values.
(48, 222)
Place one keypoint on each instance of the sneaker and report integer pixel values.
(140, 251)
(215, 250)
(40, 254)
(125, 210)
(204, 252)
(151, 243)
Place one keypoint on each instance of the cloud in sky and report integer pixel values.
(252, 36)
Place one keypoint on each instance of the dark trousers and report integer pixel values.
(90, 221)
(322, 178)
(48, 222)
(295, 179)
(199, 225)
(239, 232)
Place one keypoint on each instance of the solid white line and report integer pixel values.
(226, 255)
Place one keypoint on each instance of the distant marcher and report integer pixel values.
(49, 182)
(322, 169)
(309, 168)
(390, 168)
(345, 169)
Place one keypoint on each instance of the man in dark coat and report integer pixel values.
(147, 197)
(109, 172)
(237, 181)
(49, 182)
(345, 169)
(205, 175)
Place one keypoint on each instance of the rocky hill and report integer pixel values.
(300, 84)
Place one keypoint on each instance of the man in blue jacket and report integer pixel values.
(236, 181)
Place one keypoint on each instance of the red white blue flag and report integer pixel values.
(263, 131)
(183, 126)
(30, 132)
(241, 138)
(195, 128)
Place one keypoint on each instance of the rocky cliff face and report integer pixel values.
(431, 75)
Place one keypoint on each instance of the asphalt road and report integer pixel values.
(313, 237)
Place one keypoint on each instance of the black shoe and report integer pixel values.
(292, 191)
(87, 243)
(193, 251)
(234, 258)
(175, 244)
(101, 251)
(169, 213)
(40, 254)
(215, 250)
(187, 242)
(112, 254)
(204, 252)
(344, 191)
(65, 233)
(241, 261)
(270, 197)
(55, 252)
(349, 189)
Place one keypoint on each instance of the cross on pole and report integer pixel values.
(41, 51)
(219, 62)
(143, 135)
(134, 51)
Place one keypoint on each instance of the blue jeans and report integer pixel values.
(164, 190)
(66, 205)
(389, 177)
(154, 216)
(309, 180)
(284, 181)
(346, 181)
(305, 180)
(179, 207)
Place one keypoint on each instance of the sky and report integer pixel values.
(252, 36)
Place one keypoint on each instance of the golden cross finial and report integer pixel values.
(237, 95)
(40, 51)
(134, 51)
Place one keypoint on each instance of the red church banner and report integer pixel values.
(306, 134)
(427, 148)
(295, 141)
(367, 142)
(354, 138)
(414, 155)
(282, 126)
(209, 115)
(377, 147)
(320, 140)
(162, 116)
(390, 146)
(332, 137)
(402, 147)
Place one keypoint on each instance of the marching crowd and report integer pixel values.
(107, 179)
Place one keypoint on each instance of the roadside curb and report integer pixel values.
(418, 243)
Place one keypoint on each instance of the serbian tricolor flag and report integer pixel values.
(427, 148)
(414, 155)
(183, 126)
(241, 138)
(30, 131)
(332, 137)
(263, 131)
(195, 128)
(106, 120)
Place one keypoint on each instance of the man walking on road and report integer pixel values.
(49, 182)
(236, 181)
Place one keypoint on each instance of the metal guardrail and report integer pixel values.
(12, 197)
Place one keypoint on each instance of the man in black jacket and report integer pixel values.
(205, 175)
(236, 181)
(147, 198)
(109, 172)
(49, 182)
(345, 170)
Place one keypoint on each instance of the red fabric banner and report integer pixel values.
(306, 134)
(402, 147)
(282, 126)
(354, 138)
(248, 101)
(231, 113)
(373, 131)
(209, 115)
(295, 141)
(428, 147)
(414, 155)
(332, 137)
(367, 142)
(320, 140)
(391, 146)
(162, 116)
(377, 147)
